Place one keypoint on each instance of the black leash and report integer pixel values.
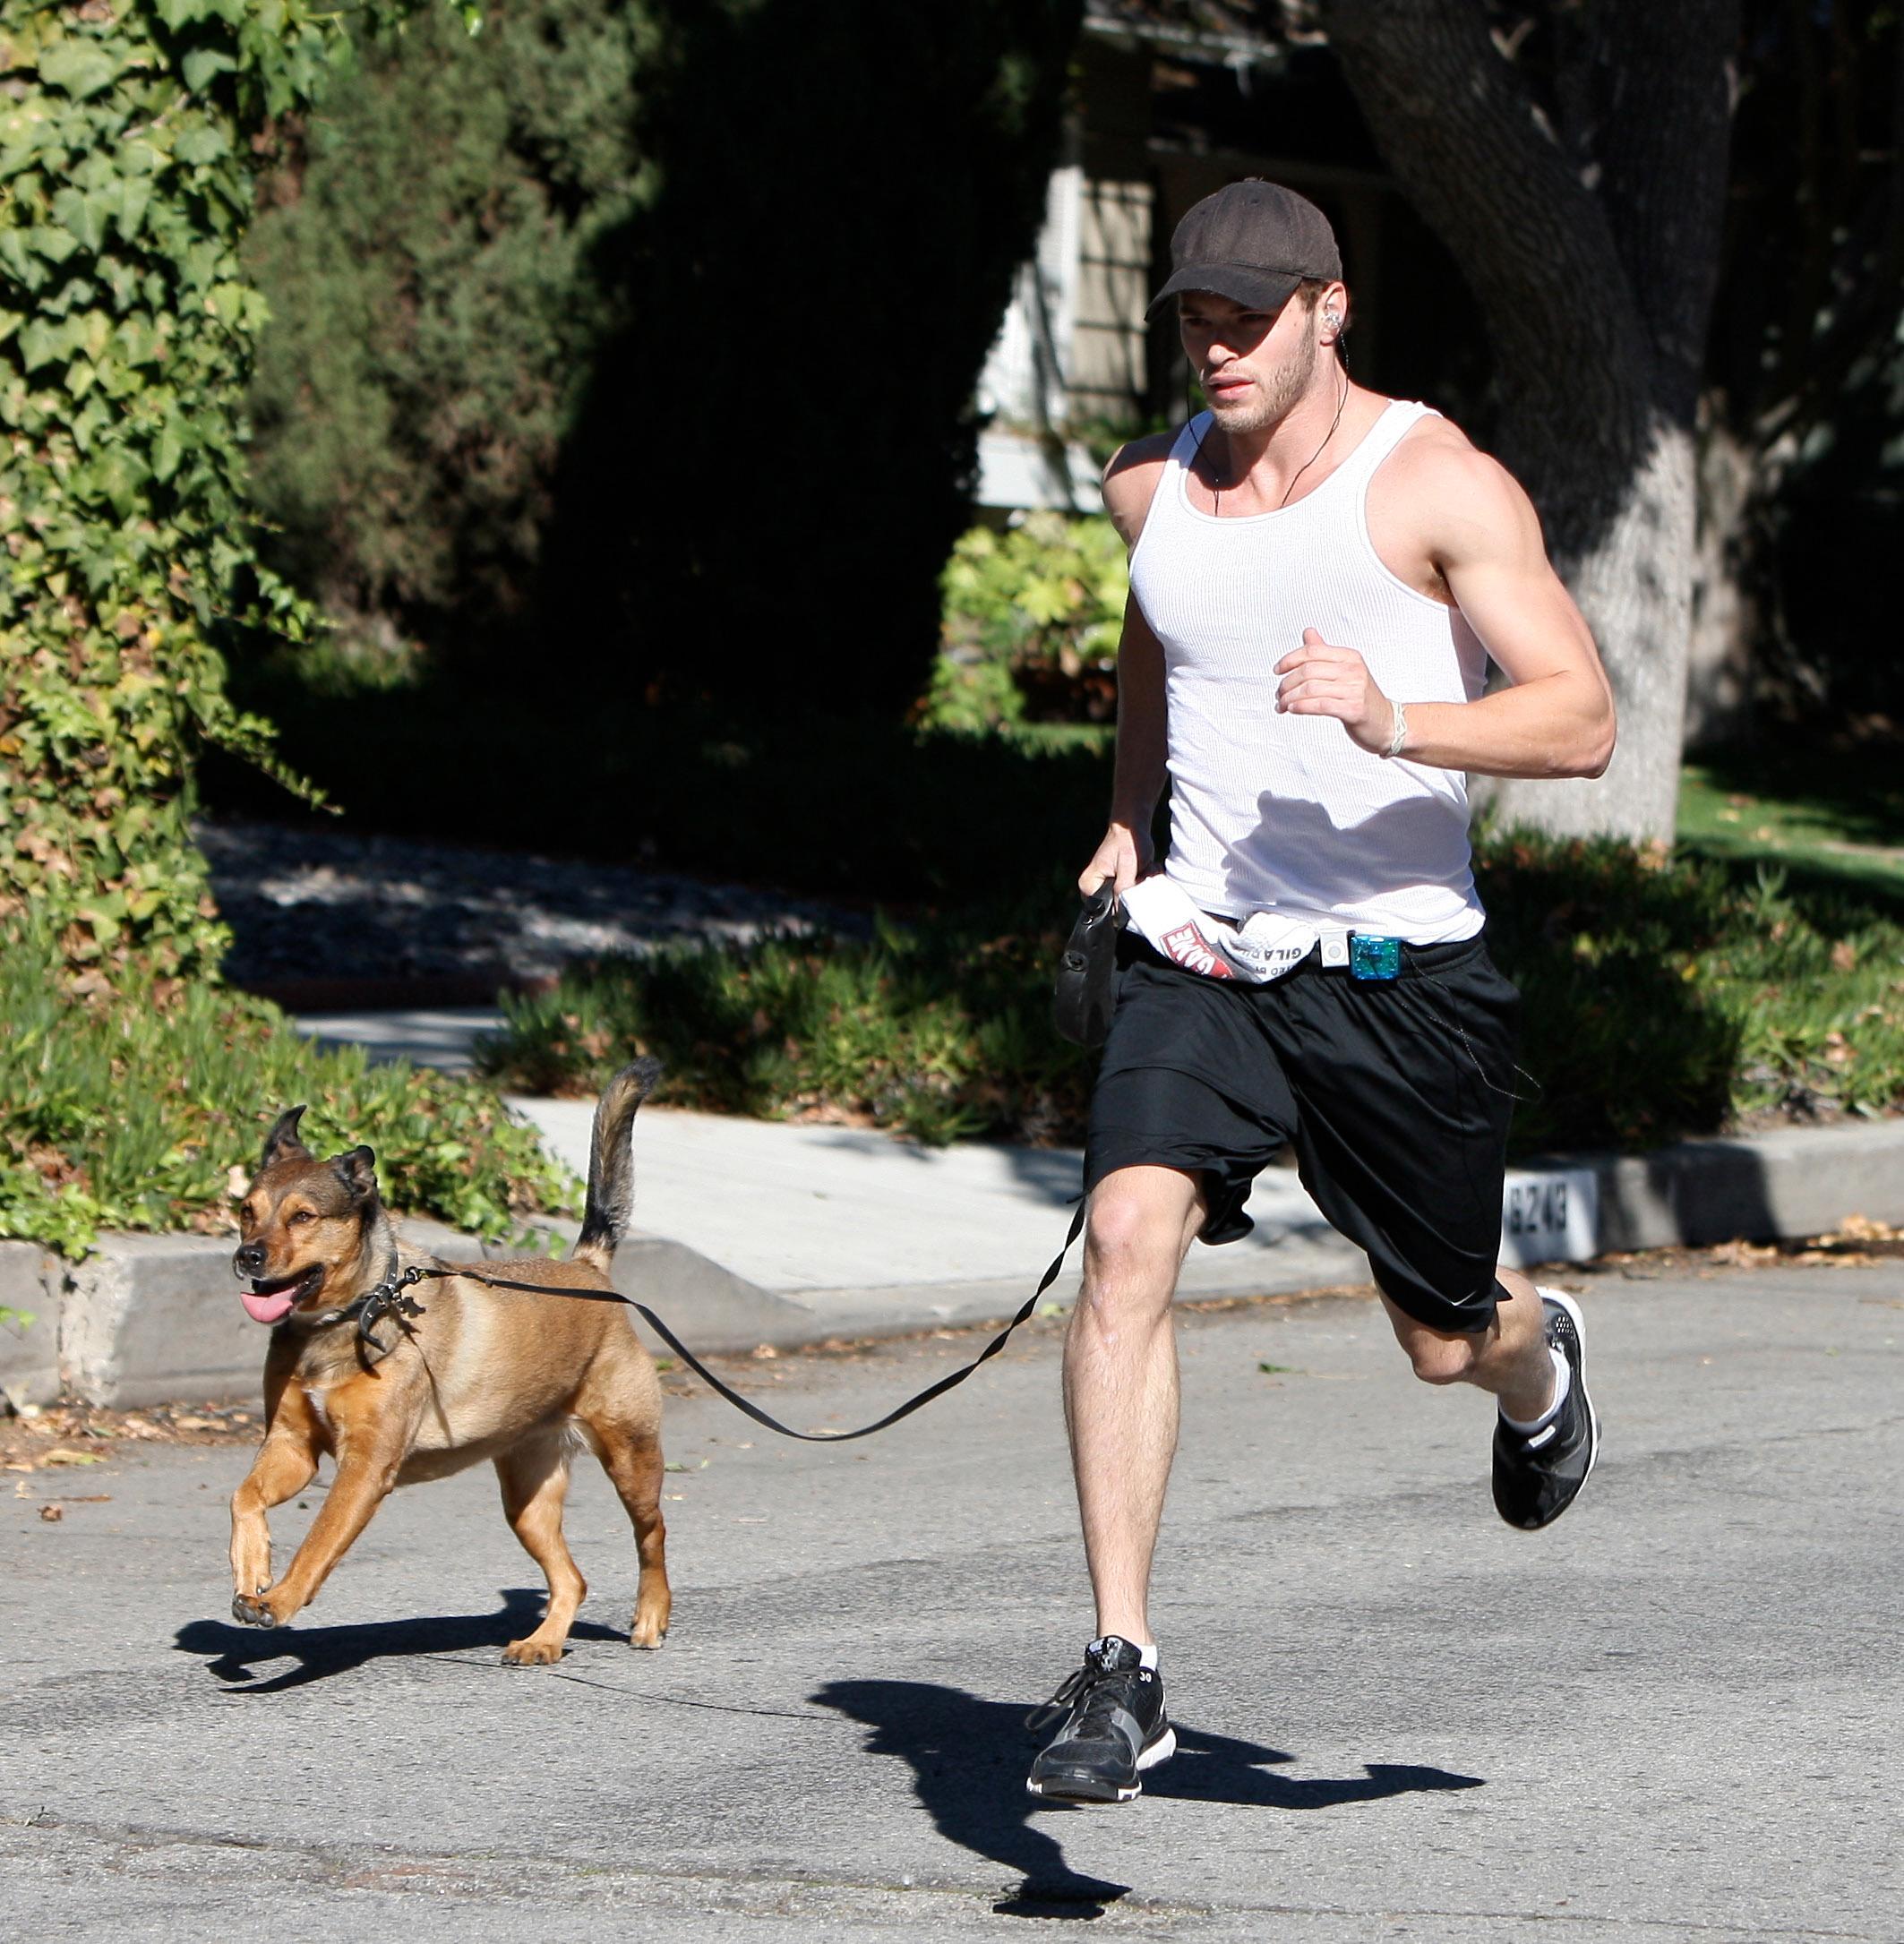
(387, 1299)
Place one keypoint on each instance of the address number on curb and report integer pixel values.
(1549, 1216)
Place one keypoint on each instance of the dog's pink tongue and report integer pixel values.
(269, 1308)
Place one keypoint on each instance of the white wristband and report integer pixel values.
(1401, 731)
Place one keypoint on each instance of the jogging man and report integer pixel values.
(1319, 575)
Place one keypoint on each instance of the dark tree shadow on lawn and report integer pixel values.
(234, 1653)
(968, 1758)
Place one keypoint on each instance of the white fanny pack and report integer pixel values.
(1263, 947)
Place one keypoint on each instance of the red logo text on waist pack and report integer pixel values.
(1187, 946)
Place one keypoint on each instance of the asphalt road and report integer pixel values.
(1675, 1714)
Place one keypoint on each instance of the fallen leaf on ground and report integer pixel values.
(52, 1514)
(1861, 1229)
(61, 1454)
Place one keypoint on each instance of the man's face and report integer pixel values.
(1253, 365)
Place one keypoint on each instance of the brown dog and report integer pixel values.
(521, 1380)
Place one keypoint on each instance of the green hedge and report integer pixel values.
(129, 1109)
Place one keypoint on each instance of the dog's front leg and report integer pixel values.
(285, 1463)
(366, 1470)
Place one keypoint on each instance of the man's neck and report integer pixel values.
(1272, 458)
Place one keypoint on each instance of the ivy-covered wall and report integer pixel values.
(126, 326)
(130, 133)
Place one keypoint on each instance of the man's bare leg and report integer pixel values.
(1509, 1358)
(1120, 1381)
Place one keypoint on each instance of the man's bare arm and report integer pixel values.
(1124, 855)
(1482, 535)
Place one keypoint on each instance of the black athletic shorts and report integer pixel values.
(1395, 1095)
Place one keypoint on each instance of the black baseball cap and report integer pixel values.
(1252, 243)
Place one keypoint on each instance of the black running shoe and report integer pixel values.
(1115, 1730)
(1536, 1478)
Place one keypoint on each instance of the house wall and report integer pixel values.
(1109, 378)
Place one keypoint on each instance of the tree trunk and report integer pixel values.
(1727, 579)
(1634, 582)
(1592, 251)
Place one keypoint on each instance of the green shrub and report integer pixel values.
(1662, 997)
(1668, 995)
(939, 1029)
(128, 1109)
(425, 257)
(1029, 624)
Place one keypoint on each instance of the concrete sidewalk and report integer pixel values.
(790, 1233)
(784, 1233)
(824, 1231)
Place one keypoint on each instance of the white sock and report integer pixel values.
(1148, 1653)
(1563, 1383)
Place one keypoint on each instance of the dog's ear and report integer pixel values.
(282, 1143)
(357, 1171)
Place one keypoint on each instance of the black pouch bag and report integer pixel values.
(1085, 991)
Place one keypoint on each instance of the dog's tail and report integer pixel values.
(612, 1164)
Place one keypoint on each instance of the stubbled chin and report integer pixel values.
(273, 1308)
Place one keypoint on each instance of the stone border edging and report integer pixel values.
(149, 1319)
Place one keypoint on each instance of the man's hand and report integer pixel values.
(1321, 680)
(1123, 857)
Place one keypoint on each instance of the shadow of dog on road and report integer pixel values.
(968, 1757)
(233, 1653)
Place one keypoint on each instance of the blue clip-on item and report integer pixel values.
(1374, 958)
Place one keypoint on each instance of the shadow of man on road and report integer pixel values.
(233, 1653)
(968, 1758)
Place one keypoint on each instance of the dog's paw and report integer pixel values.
(646, 1640)
(532, 1653)
(256, 1609)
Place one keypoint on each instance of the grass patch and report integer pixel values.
(1664, 997)
(1685, 994)
(130, 1110)
(1831, 818)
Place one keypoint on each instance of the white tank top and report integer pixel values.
(1284, 813)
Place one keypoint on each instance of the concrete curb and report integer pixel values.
(30, 1287)
(1799, 1181)
(145, 1319)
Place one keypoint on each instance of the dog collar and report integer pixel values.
(386, 1298)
